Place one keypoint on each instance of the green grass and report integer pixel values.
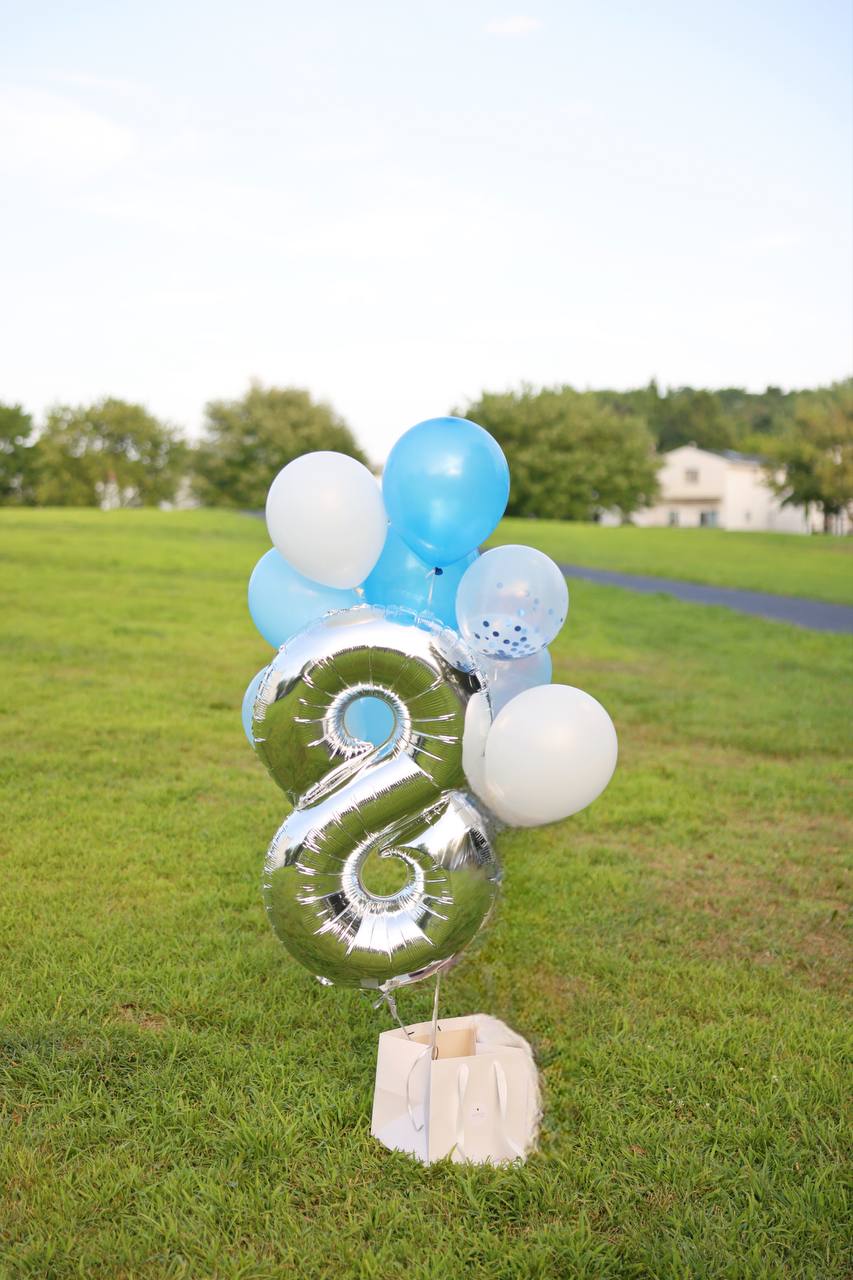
(179, 1099)
(785, 564)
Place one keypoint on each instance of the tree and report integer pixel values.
(571, 455)
(813, 463)
(248, 441)
(109, 451)
(685, 416)
(753, 416)
(729, 418)
(641, 401)
(16, 455)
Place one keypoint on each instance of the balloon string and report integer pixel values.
(387, 998)
(435, 1026)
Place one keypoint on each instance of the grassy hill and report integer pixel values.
(786, 564)
(178, 1098)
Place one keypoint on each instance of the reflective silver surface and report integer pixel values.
(406, 799)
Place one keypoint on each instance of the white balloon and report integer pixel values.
(508, 677)
(550, 752)
(326, 518)
(478, 722)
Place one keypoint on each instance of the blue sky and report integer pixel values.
(398, 204)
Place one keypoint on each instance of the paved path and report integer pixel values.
(814, 614)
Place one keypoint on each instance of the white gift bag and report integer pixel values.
(477, 1099)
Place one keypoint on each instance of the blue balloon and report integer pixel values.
(400, 577)
(446, 486)
(370, 719)
(282, 602)
(249, 703)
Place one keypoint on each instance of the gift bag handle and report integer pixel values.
(461, 1085)
(410, 1106)
(503, 1099)
(503, 1096)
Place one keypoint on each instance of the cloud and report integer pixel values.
(82, 80)
(521, 25)
(50, 136)
(772, 241)
(766, 242)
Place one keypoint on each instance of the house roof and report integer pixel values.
(730, 455)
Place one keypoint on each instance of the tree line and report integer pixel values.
(572, 453)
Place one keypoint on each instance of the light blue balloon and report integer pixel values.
(370, 720)
(402, 578)
(282, 602)
(511, 602)
(249, 703)
(507, 678)
(446, 486)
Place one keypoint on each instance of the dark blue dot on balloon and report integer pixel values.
(485, 623)
(496, 633)
(476, 635)
(518, 628)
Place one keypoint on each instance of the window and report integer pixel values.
(708, 519)
(691, 475)
(673, 518)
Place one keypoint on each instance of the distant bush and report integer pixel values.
(813, 461)
(247, 441)
(17, 473)
(109, 453)
(571, 455)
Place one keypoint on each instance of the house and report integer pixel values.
(725, 490)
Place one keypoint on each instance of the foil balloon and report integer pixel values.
(405, 799)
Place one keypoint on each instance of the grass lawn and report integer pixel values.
(179, 1099)
(786, 564)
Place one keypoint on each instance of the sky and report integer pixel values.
(398, 205)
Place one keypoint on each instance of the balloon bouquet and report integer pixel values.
(408, 711)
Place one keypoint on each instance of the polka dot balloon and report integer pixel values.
(511, 602)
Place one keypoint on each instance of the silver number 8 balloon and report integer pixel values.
(405, 799)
